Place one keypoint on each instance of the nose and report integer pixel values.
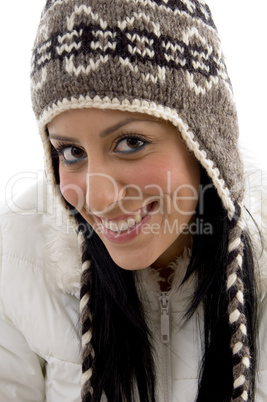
(103, 191)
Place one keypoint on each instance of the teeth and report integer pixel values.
(131, 222)
(138, 218)
(122, 226)
(113, 227)
(144, 212)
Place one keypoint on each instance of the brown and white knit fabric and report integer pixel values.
(163, 58)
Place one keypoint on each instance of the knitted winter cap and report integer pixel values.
(163, 58)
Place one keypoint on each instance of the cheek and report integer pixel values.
(72, 189)
(147, 179)
(185, 190)
(168, 175)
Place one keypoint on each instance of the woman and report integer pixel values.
(135, 111)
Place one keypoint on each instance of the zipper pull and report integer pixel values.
(164, 318)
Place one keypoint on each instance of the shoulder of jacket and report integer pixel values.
(36, 229)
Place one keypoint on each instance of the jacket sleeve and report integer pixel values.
(21, 377)
(21, 370)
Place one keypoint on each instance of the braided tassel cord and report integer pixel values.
(86, 323)
(237, 318)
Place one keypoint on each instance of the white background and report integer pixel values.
(242, 28)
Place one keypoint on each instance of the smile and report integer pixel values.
(122, 225)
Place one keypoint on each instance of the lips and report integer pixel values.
(124, 224)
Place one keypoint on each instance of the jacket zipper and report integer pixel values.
(164, 317)
(164, 301)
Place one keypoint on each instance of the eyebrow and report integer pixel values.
(122, 123)
(65, 139)
(104, 133)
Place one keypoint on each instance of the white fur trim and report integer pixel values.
(63, 255)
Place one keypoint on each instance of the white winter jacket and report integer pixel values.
(40, 351)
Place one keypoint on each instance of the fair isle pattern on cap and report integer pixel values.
(132, 55)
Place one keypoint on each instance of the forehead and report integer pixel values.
(98, 118)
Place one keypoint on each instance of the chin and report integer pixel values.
(134, 263)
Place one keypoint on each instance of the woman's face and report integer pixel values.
(132, 179)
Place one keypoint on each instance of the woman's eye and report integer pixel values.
(130, 144)
(72, 154)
